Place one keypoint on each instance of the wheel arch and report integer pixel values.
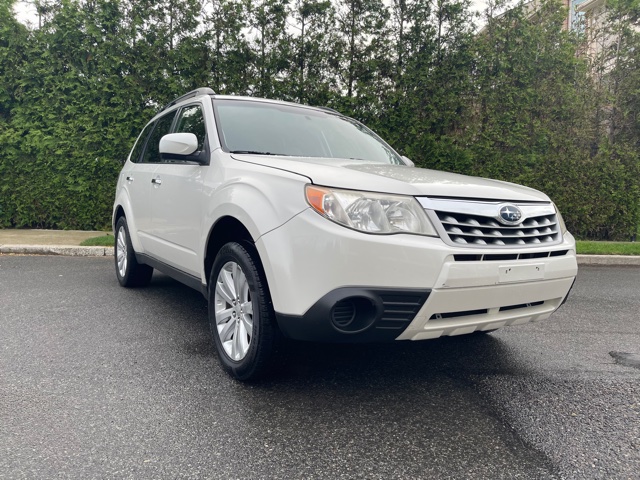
(226, 229)
(122, 208)
(117, 213)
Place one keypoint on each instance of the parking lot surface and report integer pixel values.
(97, 381)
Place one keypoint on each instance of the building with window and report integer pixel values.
(594, 21)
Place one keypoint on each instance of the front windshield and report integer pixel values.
(274, 129)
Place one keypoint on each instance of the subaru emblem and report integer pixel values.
(510, 215)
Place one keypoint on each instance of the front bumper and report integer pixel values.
(461, 311)
(309, 259)
(356, 314)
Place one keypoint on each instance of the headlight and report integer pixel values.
(370, 212)
(563, 227)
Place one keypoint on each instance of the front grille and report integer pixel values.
(469, 229)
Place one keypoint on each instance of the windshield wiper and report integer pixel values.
(256, 152)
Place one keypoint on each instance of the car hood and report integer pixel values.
(397, 179)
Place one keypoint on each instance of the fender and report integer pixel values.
(256, 202)
(123, 200)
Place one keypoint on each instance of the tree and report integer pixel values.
(229, 48)
(534, 122)
(513, 101)
(429, 106)
(13, 42)
(361, 28)
(616, 76)
(272, 47)
(70, 119)
(310, 73)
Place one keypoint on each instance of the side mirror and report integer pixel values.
(408, 162)
(180, 146)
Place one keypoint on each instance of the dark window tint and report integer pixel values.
(192, 121)
(162, 127)
(137, 149)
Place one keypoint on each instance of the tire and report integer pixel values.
(130, 273)
(241, 315)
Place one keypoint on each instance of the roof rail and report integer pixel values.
(329, 109)
(191, 94)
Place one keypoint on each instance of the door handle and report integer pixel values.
(156, 181)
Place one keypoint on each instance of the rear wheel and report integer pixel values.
(240, 312)
(130, 273)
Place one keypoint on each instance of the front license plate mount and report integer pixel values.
(520, 273)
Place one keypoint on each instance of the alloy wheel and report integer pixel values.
(233, 311)
(121, 251)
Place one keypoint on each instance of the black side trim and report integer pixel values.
(356, 314)
(186, 278)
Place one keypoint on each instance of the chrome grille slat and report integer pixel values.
(502, 235)
(496, 225)
(476, 223)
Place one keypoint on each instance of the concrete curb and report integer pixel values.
(68, 250)
(75, 251)
(609, 260)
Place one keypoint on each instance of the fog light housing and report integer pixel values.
(353, 314)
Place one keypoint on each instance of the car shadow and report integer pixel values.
(356, 364)
(392, 410)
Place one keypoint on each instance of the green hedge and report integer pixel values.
(42, 193)
(513, 102)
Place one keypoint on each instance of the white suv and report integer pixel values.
(300, 222)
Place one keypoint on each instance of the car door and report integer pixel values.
(146, 183)
(136, 178)
(178, 198)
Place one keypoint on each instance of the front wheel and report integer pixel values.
(240, 312)
(130, 273)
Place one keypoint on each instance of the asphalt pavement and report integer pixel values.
(97, 381)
